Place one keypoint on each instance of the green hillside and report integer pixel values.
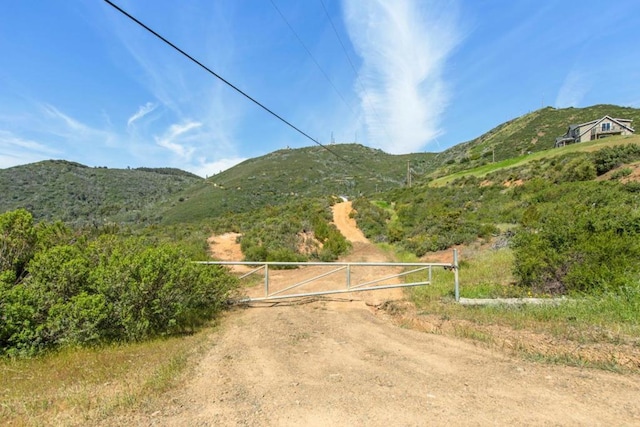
(286, 175)
(513, 167)
(530, 133)
(78, 194)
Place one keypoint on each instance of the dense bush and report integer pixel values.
(610, 158)
(371, 219)
(58, 290)
(432, 219)
(578, 169)
(333, 245)
(575, 235)
(17, 244)
(580, 237)
(280, 233)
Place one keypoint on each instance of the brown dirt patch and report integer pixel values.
(515, 183)
(308, 243)
(635, 173)
(524, 342)
(346, 224)
(225, 247)
(634, 176)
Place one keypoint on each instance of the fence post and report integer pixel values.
(266, 280)
(455, 275)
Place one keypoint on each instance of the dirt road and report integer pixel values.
(337, 362)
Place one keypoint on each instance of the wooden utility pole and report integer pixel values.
(409, 173)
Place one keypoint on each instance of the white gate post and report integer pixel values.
(455, 275)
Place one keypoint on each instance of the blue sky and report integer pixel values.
(81, 82)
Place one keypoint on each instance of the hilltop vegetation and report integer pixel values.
(293, 175)
(530, 133)
(79, 195)
(76, 194)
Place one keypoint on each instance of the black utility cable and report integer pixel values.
(311, 55)
(210, 71)
(344, 49)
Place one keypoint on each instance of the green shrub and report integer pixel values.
(17, 241)
(578, 169)
(153, 290)
(371, 219)
(610, 158)
(584, 238)
(334, 245)
(255, 253)
(59, 273)
(285, 255)
(82, 320)
(624, 172)
(91, 290)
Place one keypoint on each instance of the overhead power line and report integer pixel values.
(311, 55)
(225, 81)
(355, 72)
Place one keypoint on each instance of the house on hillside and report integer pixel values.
(595, 129)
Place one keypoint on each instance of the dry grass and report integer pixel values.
(84, 386)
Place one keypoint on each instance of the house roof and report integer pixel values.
(625, 123)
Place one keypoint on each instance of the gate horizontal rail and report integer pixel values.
(335, 267)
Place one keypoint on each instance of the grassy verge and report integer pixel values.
(83, 386)
(583, 147)
(601, 331)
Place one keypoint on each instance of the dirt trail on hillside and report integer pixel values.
(346, 224)
(339, 361)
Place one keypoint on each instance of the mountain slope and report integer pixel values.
(530, 133)
(279, 177)
(78, 194)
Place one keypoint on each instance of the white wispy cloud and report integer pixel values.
(15, 150)
(200, 117)
(206, 169)
(143, 110)
(63, 125)
(404, 45)
(575, 87)
(70, 124)
(174, 139)
(46, 132)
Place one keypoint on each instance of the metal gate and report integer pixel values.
(349, 282)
